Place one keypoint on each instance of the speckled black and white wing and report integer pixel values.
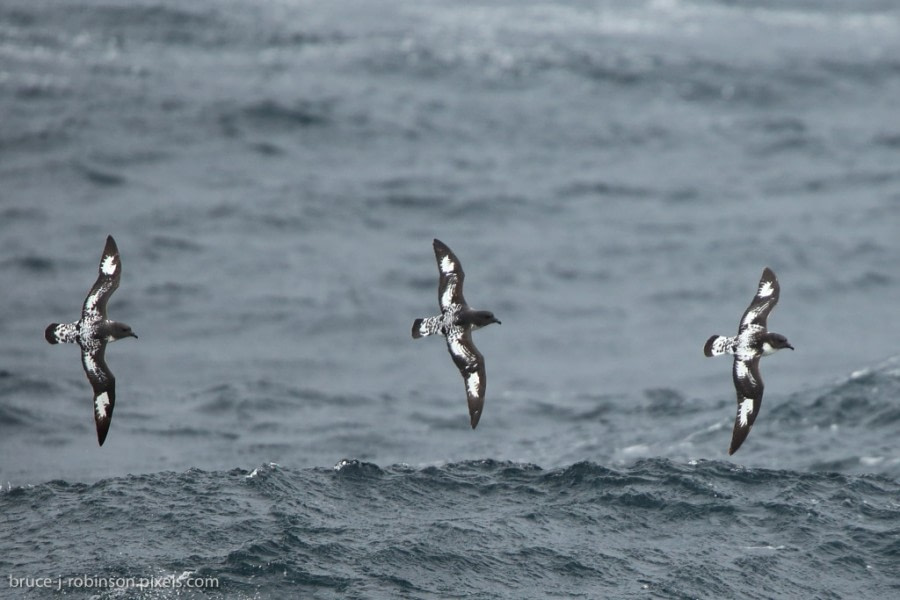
(104, 384)
(470, 363)
(110, 272)
(450, 285)
(749, 387)
(763, 302)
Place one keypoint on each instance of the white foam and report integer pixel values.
(772, 548)
(859, 373)
(255, 471)
(636, 450)
(184, 575)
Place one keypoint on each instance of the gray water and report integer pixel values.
(613, 176)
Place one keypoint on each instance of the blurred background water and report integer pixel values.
(613, 176)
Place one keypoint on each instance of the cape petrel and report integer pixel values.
(456, 323)
(92, 332)
(752, 342)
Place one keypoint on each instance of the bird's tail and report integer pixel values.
(50, 333)
(61, 334)
(718, 344)
(417, 329)
(427, 326)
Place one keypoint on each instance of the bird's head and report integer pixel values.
(117, 331)
(775, 342)
(481, 318)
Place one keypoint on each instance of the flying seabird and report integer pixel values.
(92, 332)
(752, 342)
(456, 323)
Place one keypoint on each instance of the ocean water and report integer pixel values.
(613, 175)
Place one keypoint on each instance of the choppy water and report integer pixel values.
(656, 529)
(613, 175)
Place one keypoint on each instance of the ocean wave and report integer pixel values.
(273, 115)
(360, 528)
(864, 399)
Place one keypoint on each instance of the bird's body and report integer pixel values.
(456, 323)
(92, 332)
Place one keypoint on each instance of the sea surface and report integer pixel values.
(613, 176)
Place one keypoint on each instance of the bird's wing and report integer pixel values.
(110, 271)
(450, 287)
(470, 363)
(763, 302)
(749, 387)
(104, 384)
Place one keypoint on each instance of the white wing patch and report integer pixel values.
(447, 297)
(89, 364)
(447, 265)
(745, 409)
(101, 405)
(109, 265)
(766, 289)
(753, 314)
(459, 349)
(473, 380)
(741, 370)
(91, 302)
(91, 312)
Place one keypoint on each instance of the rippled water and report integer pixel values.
(483, 529)
(614, 176)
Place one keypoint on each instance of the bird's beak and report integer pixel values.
(134, 335)
(497, 321)
(791, 347)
